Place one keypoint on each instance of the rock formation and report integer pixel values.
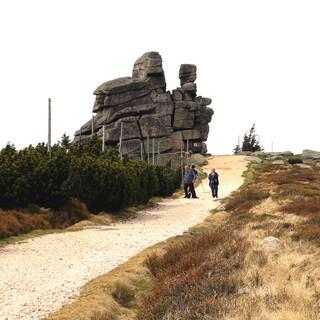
(148, 112)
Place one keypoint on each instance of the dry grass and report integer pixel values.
(221, 268)
(193, 280)
(123, 294)
(15, 223)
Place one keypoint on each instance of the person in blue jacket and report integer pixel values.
(214, 182)
(188, 181)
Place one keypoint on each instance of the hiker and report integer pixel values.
(188, 181)
(214, 182)
(192, 189)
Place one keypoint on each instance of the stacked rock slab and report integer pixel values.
(147, 112)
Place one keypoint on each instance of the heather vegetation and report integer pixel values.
(32, 180)
(250, 266)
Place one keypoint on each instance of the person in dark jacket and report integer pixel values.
(188, 181)
(214, 183)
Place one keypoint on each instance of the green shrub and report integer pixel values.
(295, 159)
(100, 180)
(123, 294)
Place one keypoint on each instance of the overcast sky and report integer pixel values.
(258, 60)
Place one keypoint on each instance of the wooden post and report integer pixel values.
(103, 138)
(148, 149)
(141, 150)
(181, 157)
(153, 151)
(120, 141)
(92, 126)
(49, 127)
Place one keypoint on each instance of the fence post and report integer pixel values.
(103, 138)
(181, 158)
(120, 141)
(49, 127)
(141, 151)
(153, 151)
(92, 126)
(148, 149)
(187, 148)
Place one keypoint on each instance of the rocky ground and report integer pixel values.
(40, 275)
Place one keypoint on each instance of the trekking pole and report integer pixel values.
(204, 190)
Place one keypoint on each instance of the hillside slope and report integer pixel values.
(261, 261)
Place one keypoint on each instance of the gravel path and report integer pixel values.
(40, 275)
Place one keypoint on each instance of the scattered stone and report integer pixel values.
(145, 109)
(282, 153)
(198, 159)
(273, 158)
(253, 159)
(272, 244)
(278, 162)
(303, 166)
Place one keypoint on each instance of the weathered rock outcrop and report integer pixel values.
(146, 111)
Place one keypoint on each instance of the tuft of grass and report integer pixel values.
(152, 262)
(106, 315)
(123, 294)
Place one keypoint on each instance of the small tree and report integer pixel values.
(65, 141)
(237, 149)
(250, 142)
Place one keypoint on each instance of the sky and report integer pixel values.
(258, 60)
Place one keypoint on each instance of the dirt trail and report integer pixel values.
(40, 275)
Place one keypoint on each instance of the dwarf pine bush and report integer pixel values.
(102, 181)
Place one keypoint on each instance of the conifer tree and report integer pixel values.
(250, 142)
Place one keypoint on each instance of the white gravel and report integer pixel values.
(40, 275)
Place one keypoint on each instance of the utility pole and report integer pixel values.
(103, 138)
(120, 141)
(49, 127)
(187, 147)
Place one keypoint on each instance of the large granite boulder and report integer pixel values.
(187, 73)
(169, 121)
(310, 155)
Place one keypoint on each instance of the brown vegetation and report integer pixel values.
(14, 222)
(222, 269)
(221, 275)
(195, 278)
